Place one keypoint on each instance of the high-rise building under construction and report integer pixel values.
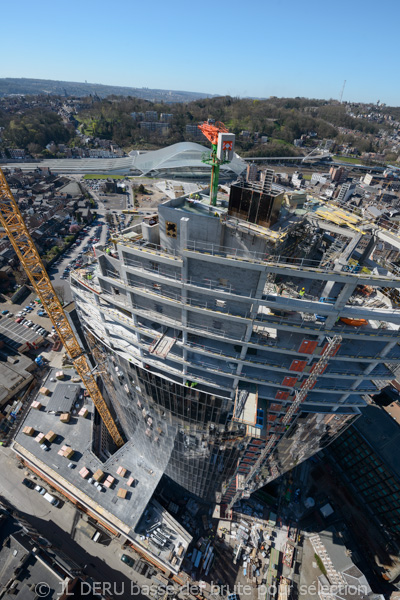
(207, 321)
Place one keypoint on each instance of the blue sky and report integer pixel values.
(254, 48)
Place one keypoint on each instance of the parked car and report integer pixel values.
(127, 560)
(28, 483)
(40, 489)
(4, 312)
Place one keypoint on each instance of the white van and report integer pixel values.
(51, 499)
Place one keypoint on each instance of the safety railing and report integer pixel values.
(144, 246)
(302, 323)
(302, 264)
(205, 283)
(157, 290)
(212, 350)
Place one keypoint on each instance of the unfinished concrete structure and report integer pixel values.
(205, 326)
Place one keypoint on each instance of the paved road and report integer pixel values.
(56, 271)
(103, 563)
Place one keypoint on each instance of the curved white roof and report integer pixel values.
(183, 158)
(180, 156)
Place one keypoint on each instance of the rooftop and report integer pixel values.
(63, 398)
(104, 497)
(382, 432)
(15, 372)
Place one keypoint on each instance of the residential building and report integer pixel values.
(194, 131)
(151, 115)
(154, 126)
(166, 117)
(319, 178)
(297, 180)
(338, 174)
(368, 178)
(16, 153)
(346, 191)
(137, 116)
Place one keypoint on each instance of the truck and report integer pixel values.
(51, 499)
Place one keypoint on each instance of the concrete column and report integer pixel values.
(254, 309)
(261, 284)
(343, 398)
(368, 250)
(184, 222)
(356, 383)
(340, 303)
(184, 236)
(388, 348)
(371, 367)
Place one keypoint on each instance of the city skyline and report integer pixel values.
(260, 51)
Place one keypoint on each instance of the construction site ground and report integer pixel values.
(238, 576)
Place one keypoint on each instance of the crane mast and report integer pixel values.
(221, 153)
(14, 225)
(290, 417)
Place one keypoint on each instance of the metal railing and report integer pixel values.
(303, 264)
(144, 246)
(155, 290)
(202, 283)
(211, 350)
(337, 328)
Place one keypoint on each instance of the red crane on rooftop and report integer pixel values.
(222, 152)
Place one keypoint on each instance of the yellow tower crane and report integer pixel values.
(13, 223)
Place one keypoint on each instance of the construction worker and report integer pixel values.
(302, 292)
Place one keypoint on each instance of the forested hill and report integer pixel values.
(270, 127)
(10, 85)
(281, 120)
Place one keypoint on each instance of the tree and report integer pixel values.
(74, 228)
